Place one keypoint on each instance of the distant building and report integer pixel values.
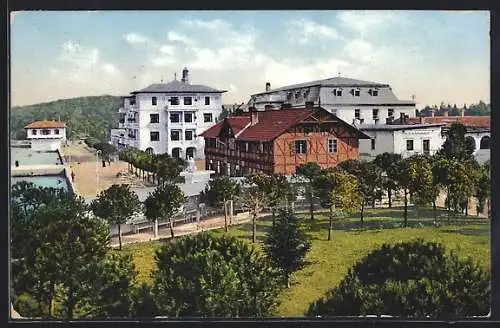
(478, 128)
(117, 138)
(403, 139)
(279, 141)
(353, 101)
(169, 118)
(46, 135)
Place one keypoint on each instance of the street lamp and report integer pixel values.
(98, 152)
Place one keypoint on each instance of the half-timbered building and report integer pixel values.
(279, 141)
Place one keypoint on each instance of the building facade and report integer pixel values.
(478, 128)
(279, 141)
(353, 101)
(169, 118)
(46, 135)
(404, 139)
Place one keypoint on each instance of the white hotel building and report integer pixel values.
(371, 107)
(169, 117)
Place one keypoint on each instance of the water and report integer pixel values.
(45, 181)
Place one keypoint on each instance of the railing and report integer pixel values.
(240, 155)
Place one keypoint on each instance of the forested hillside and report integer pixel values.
(85, 116)
(479, 109)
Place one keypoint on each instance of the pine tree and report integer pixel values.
(287, 245)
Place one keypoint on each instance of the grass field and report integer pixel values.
(328, 261)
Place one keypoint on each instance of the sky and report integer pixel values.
(438, 56)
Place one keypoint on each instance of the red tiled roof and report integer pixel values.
(45, 125)
(236, 123)
(468, 121)
(271, 124)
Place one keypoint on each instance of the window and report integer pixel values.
(154, 118)
(373, 144)
(390, 112)
(132, 101)
(300, 146)
(375, 114)
(56, 131)
(175, 135)
(154, 136)
(33, 132)
(174, 100)
(45, 132)
(426, 146)
(188, 117)
(332, 146)
(153, 101)
(375, 93)
(337, 92)
(189, 135)
(409, 145)
(357, 113)
(188, 100)
(355, 92)
(207, 101)
(174, 118)
(207, 117)
(484, 143)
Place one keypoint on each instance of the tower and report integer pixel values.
(185, 76)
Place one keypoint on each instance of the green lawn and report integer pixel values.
(330, 260)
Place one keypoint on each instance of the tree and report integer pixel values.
(483, 186)
(422, 185)
(164, 203)
(254, 198)
(457, 146)
(338, 191)
(385, 161)
(113, 282)
(143, 302)
(409, 279)
(218, 192)
(369, 177)
(309, 171)
(208, 276)
(399, 172)
(116, 205)
(287, 245)
(71, 241)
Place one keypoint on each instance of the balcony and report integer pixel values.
(236, 155)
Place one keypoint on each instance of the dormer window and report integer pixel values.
(375, 93)
(356, 93)
(337, 92)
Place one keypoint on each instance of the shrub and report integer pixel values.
(410, 279)
(208, 276)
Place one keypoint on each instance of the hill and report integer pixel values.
(92, 116)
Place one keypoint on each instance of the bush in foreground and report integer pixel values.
(208, 276)
(409, 279)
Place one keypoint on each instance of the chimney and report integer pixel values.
(421, 119)
(401, 118)
(432, 112)
(445, 113)
(185, 76)
(462, 112)
(406, 119)
(268, 86)
(254, 118)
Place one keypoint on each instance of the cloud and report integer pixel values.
(176, 37)
(305, 30)
(365, 22)
(81, 59)
(110, 68)
(136, 38)
(207, 24)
